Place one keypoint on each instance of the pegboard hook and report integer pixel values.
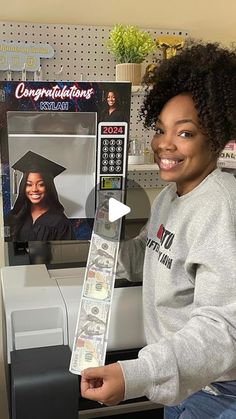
(38, 74)
(59, 72)
(9, 75)
(23, 73)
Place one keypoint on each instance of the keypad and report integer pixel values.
(111, 157)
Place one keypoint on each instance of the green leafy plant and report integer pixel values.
(129, 44)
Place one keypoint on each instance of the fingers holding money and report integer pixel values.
(103, 384)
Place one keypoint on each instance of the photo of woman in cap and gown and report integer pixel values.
(37, 214)
(112, 111)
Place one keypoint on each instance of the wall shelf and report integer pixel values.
(142, 167)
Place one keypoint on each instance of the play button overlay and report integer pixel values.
(103, 225)
(116, 210)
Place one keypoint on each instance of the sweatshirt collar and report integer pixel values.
(198, 187)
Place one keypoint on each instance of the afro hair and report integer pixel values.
(207, 72)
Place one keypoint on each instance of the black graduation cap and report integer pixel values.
(34, 163)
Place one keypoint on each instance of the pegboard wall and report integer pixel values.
(81, 54)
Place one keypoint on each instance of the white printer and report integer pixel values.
(41, 308)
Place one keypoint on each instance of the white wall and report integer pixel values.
(212, 20)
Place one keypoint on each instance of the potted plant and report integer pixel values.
(130, 46)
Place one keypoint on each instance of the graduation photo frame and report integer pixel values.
(49, 155)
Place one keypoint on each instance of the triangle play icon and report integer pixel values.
(117, 209)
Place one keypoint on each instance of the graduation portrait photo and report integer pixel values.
(52, 162)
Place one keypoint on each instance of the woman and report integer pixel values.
(112, 112)
(37, 213)
(189, 248)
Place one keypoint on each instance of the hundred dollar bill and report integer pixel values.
(103, 202)
(102, 225)
(102, 253)
(87, 352)
(93, 318)
(107, 229)
(98, 284)
(90, 342)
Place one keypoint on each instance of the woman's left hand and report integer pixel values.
(103, 384)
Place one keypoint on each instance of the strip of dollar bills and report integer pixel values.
(91, 334)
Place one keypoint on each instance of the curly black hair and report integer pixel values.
(207, 71)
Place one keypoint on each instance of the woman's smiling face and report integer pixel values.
(111, 99)
(181, 149)
(35, 188)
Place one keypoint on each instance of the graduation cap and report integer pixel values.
(34, 163)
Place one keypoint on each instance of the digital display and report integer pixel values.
(111, 182)
(113, 130)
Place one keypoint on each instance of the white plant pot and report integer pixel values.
(129, 72)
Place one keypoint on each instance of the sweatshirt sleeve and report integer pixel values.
(131, 257)
(204, 349)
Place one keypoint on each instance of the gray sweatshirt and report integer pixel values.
(189, 292)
